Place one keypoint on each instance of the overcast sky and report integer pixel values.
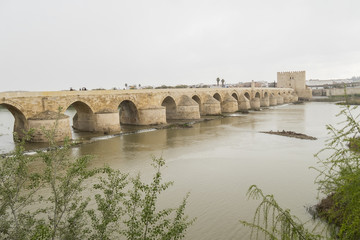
(54, 45)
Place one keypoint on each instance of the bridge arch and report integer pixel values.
(257, 95)
(170, 106)
(217, 96)
(247, 96)
(235, 95)
(266, 94)
(20, 121)
(79, 105)
(128, 113)
(197, 99)
(84, 118)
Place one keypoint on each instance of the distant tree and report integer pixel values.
(148, 87)
(217, 81)
(181, 86)
(222, 82)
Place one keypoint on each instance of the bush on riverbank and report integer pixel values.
(338, 180)
(339, 177)
(41, 197)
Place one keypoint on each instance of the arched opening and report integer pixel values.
(170, 105)
(266, 95)
(257, 95)
(128, 113)
(197, 99)
(247, 95)
(12, 121)
(217, 97)
(81, 116)
(234, 95)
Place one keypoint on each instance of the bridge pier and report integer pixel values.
(211, 106)
(286, 99)
(152, 115)
(107, 122)
(244, 105)
(229, 105)
(188, 112)
(280, 100)
(264, 102)
(255, 104)
(272, 100)
(49, 121)
(187, 108)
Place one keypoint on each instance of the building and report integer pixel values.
(295, 80)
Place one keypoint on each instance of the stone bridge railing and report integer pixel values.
(103, 111)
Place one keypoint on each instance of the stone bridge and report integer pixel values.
(104, 110)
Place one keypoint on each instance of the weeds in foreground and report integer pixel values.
(339, 176)
(273, 222)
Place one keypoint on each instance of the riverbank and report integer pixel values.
(341, 99)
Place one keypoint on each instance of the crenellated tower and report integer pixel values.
(296, 81)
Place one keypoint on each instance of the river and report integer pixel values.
(216, 161)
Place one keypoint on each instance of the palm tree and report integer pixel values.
(218, 80)
(222, 82)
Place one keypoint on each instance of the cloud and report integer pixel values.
(47, 45)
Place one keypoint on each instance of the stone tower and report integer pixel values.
(296, 81)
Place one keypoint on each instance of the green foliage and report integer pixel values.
(17, 191)
(274, 222)
(133, 213)
(142, 219)
(105, 220)
(164, 87)
(339, 176)
(182, 86)
(124, 207)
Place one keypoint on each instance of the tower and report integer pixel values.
(296, 81)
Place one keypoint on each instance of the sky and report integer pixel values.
(54, 45)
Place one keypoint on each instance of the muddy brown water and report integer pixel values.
(216, 161)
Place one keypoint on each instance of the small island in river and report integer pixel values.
(291, 134)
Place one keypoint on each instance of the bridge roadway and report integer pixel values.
(104, 110)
